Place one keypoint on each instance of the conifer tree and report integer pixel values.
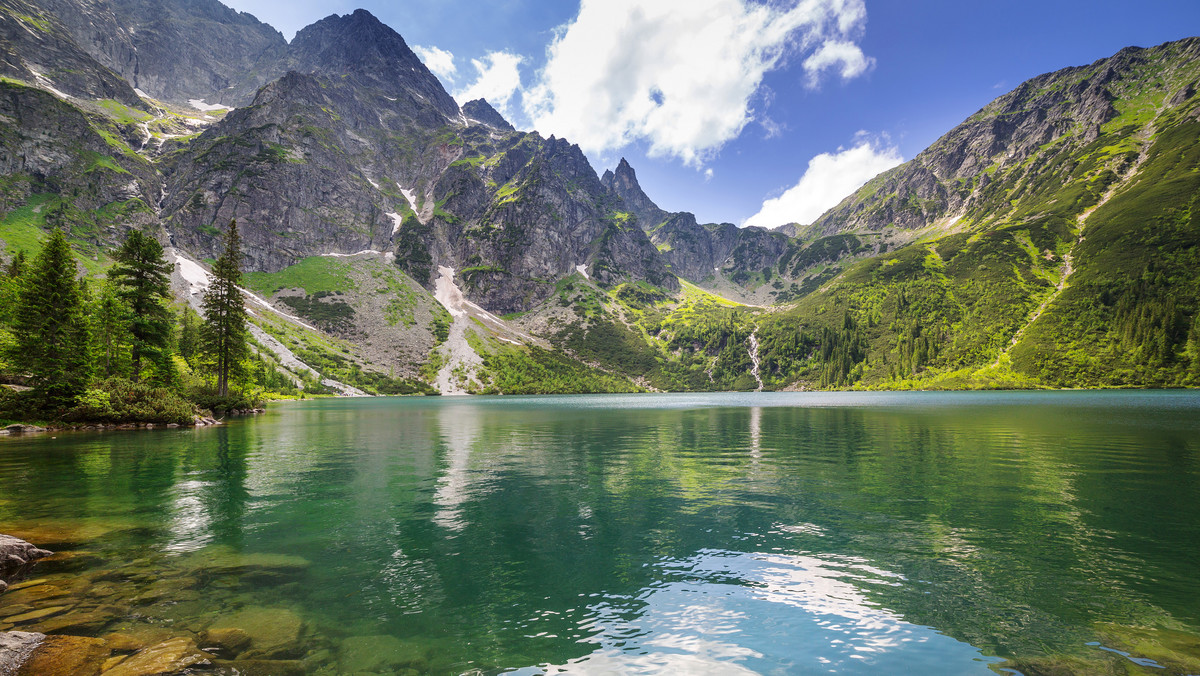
(50, 330)
(224, 331)
(109, 330)
(10, 284)
(16, 267)
(189, 335)
(143, 281)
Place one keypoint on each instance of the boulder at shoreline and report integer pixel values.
(15, 555)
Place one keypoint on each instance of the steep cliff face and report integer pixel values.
(623, 183)
(177, 50)
(65, 169)
(694, 251)
(285, 168)
(37, 48)
(361, 51)
(516, 212)
(752, 264)
(64, 160)
(316, 163)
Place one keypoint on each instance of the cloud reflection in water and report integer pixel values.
(735, 613)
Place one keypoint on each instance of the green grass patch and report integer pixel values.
(314, 274)
(123, 114)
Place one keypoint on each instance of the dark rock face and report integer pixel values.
(285, 168)
(480, 110)
(694, 251)
(359, 48)
(36, 47)
(528, 217)
(624, 184)
(176, 50)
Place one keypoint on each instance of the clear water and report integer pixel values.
(772, 533)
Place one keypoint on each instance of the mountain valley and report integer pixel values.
(396, 242)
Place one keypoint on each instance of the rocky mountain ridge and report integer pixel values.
(999, 152)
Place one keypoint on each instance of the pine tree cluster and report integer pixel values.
(116, 350)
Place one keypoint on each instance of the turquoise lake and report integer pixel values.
(766, 533)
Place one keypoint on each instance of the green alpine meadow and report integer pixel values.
(325, 350)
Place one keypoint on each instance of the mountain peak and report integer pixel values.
(360, 46)
(482, 111)
(624, 184)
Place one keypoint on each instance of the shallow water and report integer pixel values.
(860, 533)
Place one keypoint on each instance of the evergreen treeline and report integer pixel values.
(116, 350)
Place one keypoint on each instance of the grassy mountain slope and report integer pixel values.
(1078, 245)
(1049, 241)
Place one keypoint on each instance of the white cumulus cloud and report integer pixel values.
(829, 179)
(439, 61)
(681, 75)
(843, 55)
(498, 78)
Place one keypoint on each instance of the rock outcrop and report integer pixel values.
(623, 183)
(360, 50)
(16, 556)
(177, 50)
(37, 48)
(693, 251)
(15, 649)
(481, 111)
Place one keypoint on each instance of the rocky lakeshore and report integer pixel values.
(200, 421)
(211, 611)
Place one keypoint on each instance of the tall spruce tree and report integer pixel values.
(50, 330)
(224, 331)
(143, 281)
(16, 267)
(10, 287)
(189, 335)
(110, 330)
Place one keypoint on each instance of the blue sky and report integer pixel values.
(744, 111)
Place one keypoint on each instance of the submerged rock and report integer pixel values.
(230, 640)
(38, 614)
(380, 654)
(167, 657)
(1176, 651)
(269, 629)
(67, 534)
(34, 595)
(86, 622)
(64, 655)
(132, 641)
(262, 667)
(226, 560)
